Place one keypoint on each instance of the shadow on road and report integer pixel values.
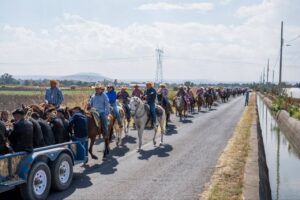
(186, 121)
(161, 151)
(128, 139)
(171, 129)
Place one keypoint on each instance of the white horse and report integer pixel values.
(141, 117)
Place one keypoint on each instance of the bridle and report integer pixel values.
(136, 108)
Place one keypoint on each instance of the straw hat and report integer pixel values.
(149, 83)
(124, 87)
(162, 85)
(53, 82)
(99, 87)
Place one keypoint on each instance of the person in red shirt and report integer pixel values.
(137, 92)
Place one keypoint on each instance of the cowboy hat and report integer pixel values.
(18, 111)
(162, 85)
(99, 87)
(54, 82)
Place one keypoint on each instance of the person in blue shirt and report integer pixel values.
(112, 97)
(100, 102)
(53, 94)
(247, 98)
(78, 127)
(150, 96)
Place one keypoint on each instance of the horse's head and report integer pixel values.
(134, 104)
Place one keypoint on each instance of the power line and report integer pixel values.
(292, 40)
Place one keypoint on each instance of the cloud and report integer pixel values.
(204, 6)
(193, 50)
(225, 2)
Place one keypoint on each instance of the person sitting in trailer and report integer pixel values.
(21, 138)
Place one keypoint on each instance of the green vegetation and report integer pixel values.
(284, 102)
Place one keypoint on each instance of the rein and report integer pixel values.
(135, 113)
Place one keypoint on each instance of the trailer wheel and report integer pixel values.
(62, 172)
(38, 182)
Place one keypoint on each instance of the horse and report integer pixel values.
(126, 110)
(141, 115)
(162, 101)
(209, 100)
(200, 101)
(181, 106)
(115, 127)
(192, 102)
(94, 128)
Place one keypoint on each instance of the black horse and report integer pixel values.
(163, 101)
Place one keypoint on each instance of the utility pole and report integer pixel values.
(273, 76)
(268, 72)
(280, 61)
(159, 68)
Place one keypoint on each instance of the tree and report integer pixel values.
(7, 79)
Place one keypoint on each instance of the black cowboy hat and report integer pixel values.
(19, 111)
(61, 110)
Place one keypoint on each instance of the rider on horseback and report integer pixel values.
(124, 97)
(112, 96)
(182, 92)
(100, 102)
(137, 92)
(150, 96)
(165, 98)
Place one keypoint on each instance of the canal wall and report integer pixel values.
(256, 177)
(289, 125)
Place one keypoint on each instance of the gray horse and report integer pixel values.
(140, 113)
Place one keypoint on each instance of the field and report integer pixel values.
(12, 98)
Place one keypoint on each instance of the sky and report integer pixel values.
(217, 40)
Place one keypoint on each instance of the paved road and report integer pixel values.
(177, 170)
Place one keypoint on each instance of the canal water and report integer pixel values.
(282, 158)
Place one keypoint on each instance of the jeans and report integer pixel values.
(116, 112)
(84, 142)
(127, 111)
(103, 118)
(152, 113)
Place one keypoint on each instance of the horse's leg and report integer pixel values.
(106, 150)
(140, 135)
(91, 148)
(155, 132)
(163, 130)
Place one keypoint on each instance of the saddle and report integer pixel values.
(158, 111)
(96, 117)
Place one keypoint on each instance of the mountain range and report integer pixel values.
(86, 77)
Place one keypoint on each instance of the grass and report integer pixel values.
(288, 104)
(227, 180)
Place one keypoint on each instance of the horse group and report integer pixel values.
(140, 113)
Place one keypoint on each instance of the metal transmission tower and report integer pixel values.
(159, 67)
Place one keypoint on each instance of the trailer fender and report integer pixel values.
(45, 156)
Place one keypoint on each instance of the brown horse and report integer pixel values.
(200, 102)
(181, 106)
(95, 130)
(209, 101)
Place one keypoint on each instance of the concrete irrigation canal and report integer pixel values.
(282, 157)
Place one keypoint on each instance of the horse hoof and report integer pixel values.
(138, 150)
(161, 144)
(94, 157)
(104, 159)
